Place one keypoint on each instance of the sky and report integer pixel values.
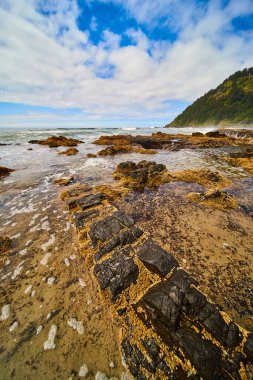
(87, 63)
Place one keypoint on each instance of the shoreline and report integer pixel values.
(165, 214)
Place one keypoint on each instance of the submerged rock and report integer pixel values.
(56, 141)
(70, 152)
(5, 171)
(64, 181)
(242, 159)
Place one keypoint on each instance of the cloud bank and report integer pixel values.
(48, 59)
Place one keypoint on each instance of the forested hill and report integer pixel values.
(230, 103)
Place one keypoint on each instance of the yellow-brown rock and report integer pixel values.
(203, 177)
(215, 199)
(56, 141)
(70, 152)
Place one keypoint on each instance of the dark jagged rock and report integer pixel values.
(81, 217)
(155, 258)
(248, 347)
(203, 354)
(117, 273)
(4, 172)
(215, 134)
(152, 348)
(163, 303)
(182, 280)
(109, 227)
(87, 201)
(124, 237)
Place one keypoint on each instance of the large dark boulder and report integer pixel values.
(118, 272)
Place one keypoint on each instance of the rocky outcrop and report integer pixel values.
(159, 140)
(141, 175)
(150, 174)
(4, 172)
(56, 141)
(170, 329)
(70, 152)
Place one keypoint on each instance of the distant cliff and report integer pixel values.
(230, 103)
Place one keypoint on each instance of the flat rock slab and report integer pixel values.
(155, 258)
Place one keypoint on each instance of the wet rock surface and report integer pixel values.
(56, 141)
(70, 152)
(117, 273)
(4, 172)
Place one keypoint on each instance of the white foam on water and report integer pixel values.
(49, 343)
(23, 252)
(83, 371)
(15, 236)
(5, 312)
(76, 325)
(48, 243)
(82, 282)
(13, 326)
(50, 280)
(67, 228)
(28, 289)
(45, 258)
(66, 261)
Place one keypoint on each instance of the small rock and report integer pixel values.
(111, 365)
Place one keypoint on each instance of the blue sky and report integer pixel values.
(116, 62)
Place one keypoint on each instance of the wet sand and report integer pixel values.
(46, 282)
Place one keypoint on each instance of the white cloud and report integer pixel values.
(46, 60)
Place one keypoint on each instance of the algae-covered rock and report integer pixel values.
(204, 177)
(242, 159)
(56, 141)
(215, 199)
(141, 175)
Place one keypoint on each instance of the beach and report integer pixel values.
(46, 278)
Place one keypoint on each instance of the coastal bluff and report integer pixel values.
(169, 328)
